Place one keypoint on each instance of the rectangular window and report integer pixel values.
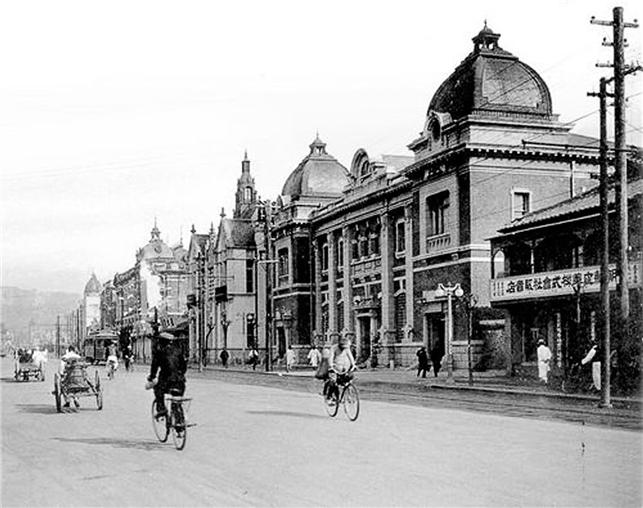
(354, 250)
(437, 208)
(340, 253)
(250, 276)
(283, 266)
(324, 259)
(400, 237)
(521, 204)
(363, 246)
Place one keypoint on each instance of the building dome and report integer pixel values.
(491, 79)
(319, 174)
(155, 248)
(92, 287)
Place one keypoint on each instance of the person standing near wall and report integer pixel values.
(544, 359)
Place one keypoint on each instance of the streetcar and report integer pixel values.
(97, 344)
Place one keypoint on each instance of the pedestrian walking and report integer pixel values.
(423, 361)
(437, 352)
(593, 356)
(253, 358)
(544, 358)
(290, 359)
(224, 357)
(314, 357)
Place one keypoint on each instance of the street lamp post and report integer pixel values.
(449, 291)
(224, 324)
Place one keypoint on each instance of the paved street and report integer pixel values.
(260, 445)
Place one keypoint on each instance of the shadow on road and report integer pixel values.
(39, 409)
(115, 443)
(286, 413)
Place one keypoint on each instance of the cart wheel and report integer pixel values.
(57, 394)
(99, 391)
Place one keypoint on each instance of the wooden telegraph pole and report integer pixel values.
(604, 205)
(620, 163)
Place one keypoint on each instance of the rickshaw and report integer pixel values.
(75, 382)
(24, 367)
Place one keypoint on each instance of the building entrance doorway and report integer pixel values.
(281, 342)
(363, 338)
(435, 324)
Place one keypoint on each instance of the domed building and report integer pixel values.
(91, 305)
(319, 179)
(491, 150)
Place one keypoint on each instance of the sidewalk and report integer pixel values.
(402, 378)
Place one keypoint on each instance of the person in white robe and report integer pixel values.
(544, 360)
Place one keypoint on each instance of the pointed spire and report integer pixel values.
(222, 215)
(156, 234)
(181, 235)
(193, 230)
(245, 164)
(211, 228)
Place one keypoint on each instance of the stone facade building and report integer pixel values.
(490, 150)
(153, 291)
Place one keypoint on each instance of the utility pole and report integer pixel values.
(58, 335)
(605, 278)
(620, 163)
(620, 158)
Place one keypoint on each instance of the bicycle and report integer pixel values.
(129, 364)
(174, 421)
(343, 392)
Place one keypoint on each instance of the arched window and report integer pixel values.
(499, 265)
(247, 194)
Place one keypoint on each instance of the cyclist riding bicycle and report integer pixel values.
(170, 363)
(112, 362)
(341, 367)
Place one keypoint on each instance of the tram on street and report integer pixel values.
(97, 344)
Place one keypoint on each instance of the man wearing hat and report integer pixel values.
(544, 358)
(170, 363)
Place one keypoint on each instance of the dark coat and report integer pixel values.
(170, 364)
(423, 358)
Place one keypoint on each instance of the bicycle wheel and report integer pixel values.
(57, 393)
(350, 399)
(179, 429)
(160, 425)
(332, 403)
(98, 390)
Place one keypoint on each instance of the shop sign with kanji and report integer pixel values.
(586, 279)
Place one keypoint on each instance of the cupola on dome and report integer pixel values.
(319, 174)
(491, 79)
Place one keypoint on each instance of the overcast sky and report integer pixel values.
(113, 113)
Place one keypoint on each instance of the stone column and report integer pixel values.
(318, 296)
(349, 325)
(387, 330)
(408, 267)
(332, 285)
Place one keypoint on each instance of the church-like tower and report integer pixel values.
(246, 197)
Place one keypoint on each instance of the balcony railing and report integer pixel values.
(438, 242)
(585, 279)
